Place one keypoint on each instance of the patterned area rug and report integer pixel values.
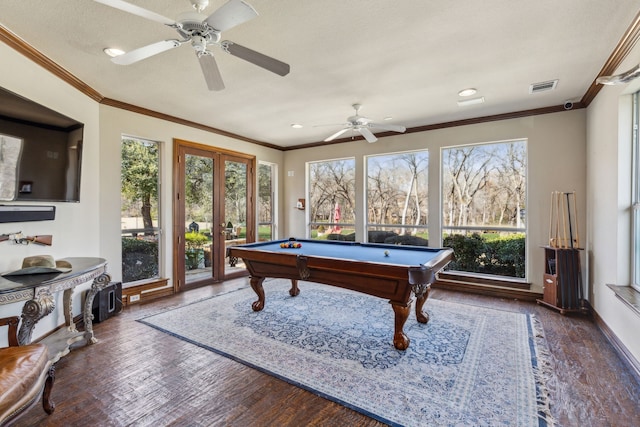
(469, 366)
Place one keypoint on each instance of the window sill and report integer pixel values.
(629, 296)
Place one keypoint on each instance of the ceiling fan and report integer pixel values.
(364, 126)
(200, 31)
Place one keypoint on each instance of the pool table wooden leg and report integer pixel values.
(256, 285)
(422, 293)
(400, 340)
(294, 291)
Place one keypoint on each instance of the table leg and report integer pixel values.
(68, 313)
(422, 293)
(400, 340)
(34, 310)
(99, 283)
(294, 291)
(256, 285)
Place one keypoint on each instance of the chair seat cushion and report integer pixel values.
(20, 369)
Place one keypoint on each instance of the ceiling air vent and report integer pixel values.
(542, 87)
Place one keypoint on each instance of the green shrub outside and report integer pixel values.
(500, 256)
(139, 259)
(195, 240)
(194, 249)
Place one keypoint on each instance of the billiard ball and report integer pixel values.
(386, 253)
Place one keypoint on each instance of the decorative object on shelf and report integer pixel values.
(300, 204)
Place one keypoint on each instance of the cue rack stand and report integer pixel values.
(563, 289)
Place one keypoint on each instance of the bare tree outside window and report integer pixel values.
(331, 195)
(397, 198)
(484, 207)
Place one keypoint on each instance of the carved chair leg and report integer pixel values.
(47, 403)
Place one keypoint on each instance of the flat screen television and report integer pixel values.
(40, 152)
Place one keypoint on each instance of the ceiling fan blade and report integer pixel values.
(623, 78)
(230, 14)
(256, 58)
(137, 10)
(211, 72)
(337, 134)
(390, 127)
(145, 52)
(370, 137)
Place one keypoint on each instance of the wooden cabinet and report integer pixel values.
(562, 279)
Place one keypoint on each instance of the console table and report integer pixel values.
(37, 291)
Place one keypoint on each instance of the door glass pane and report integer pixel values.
(235, 209)
(265, 201)
(198, 215)
(139, 211)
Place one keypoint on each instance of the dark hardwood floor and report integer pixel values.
(138, 376)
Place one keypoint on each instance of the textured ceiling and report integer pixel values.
(406, 59)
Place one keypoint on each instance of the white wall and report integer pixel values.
(608, 214)
(77, 225)
(92, 227)
(556, 154)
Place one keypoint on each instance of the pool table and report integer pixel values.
(386, 271)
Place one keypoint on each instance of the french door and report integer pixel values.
(213, 209)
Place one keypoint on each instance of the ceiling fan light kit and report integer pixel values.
(200, 31)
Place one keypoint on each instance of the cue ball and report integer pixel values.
(386, 253)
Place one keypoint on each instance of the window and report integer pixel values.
(397, 198)
(635, 197)
(139, 210)
(484, 207)
(331, 196)
(266, 197)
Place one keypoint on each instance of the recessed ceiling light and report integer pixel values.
(296, 126)
(471, 101)
(113, 52)
(467, 92)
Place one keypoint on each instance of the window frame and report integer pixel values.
(495, 228)
(635, 194)
(158, 229)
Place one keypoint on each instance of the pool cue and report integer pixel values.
(551, 221)
(575, 215)
(564, 223)
(565, 260)
(558, 242)
(572, 261)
